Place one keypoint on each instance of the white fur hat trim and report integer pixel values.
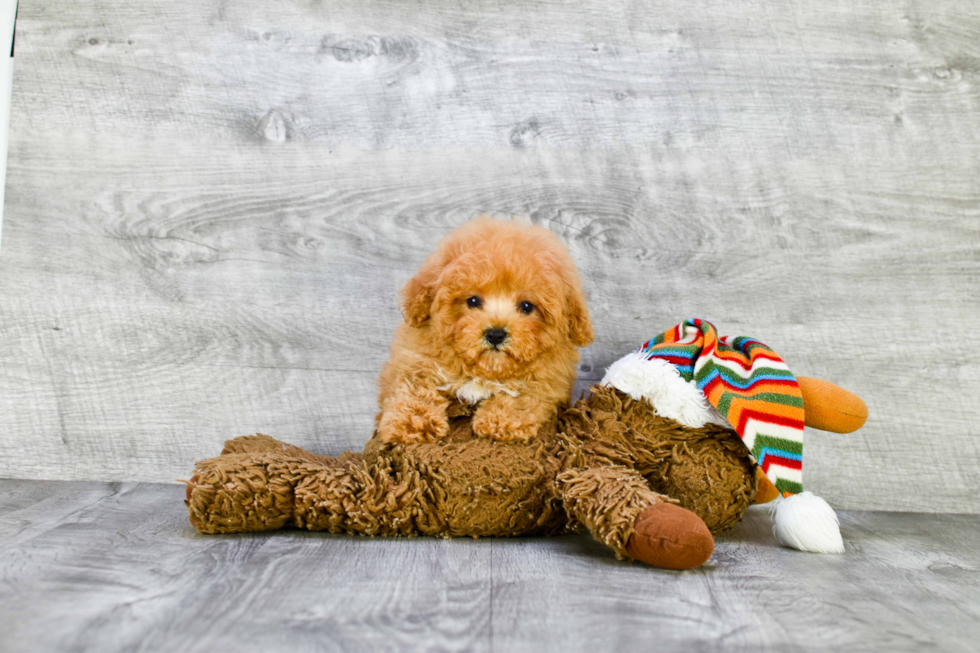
(660, 383)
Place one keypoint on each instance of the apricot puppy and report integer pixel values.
(494, 318)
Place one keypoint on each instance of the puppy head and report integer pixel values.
(500, 295)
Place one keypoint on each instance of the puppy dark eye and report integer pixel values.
(526, 307)
(474, 302)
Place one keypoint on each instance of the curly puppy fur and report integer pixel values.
(494, 319)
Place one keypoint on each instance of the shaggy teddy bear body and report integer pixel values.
(600, 465)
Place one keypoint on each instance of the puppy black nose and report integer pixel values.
(495, 336)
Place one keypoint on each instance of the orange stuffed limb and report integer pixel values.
(828, 407)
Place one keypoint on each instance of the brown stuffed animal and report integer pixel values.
(646, 486)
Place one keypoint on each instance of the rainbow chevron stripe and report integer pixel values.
(750, 385)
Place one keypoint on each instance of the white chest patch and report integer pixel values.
(474, 391)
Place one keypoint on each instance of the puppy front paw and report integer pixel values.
(412, 423)
(503, 425)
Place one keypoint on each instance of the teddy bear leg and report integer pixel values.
(712, 477)
(620, 510)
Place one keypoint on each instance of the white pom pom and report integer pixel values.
(806, 522)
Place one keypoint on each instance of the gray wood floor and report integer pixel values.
(116, 567)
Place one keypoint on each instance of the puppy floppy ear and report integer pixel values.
(579, 325)
(419, 292)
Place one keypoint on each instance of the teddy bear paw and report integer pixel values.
(670, 537)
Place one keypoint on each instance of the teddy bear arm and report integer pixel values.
(264, 444)
(367, 500)
(244, 491)
(267, 490)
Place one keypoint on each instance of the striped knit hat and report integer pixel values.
(690, 374)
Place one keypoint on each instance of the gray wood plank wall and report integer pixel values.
(211, 206)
